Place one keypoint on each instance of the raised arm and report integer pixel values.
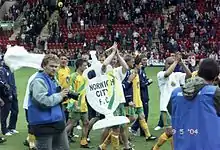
(186, 69)
(122, 62)
(110, 57)
(171, 68)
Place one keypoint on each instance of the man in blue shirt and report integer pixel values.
(11, 102)
(3, 93)
(196, 110)
(45, 114)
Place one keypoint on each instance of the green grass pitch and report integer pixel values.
(15, 142)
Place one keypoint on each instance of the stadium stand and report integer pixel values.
(191, 26)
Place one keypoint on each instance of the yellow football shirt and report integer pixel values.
(78, 84)
(194, 74)
(63, 77)
(137, 92)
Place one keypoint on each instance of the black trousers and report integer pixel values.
(5, 110)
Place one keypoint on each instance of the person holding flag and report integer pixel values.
(115, 132)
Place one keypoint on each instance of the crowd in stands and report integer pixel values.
(14, 11)
(35, 18)
(99, 23)
(137, 25)
(191, 28)
(194, 27)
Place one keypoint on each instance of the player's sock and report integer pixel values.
(171, 143)
(145, 128)
(103, 146)
(115, 141)
(31, 140)
(127, 129)
(162, 139)
(83, 142)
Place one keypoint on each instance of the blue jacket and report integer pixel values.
(38, 115)
(144, 85)
(5, 92)
(128, 89)
(11, 81)
(195, 122)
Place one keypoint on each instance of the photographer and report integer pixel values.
(45, 115)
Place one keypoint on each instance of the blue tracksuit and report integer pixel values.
(195, 122)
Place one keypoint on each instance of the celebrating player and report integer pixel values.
(168, 80)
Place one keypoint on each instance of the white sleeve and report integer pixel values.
(161, 78)
(119, 73)
(160, 75)
(26, 97)
(25, 103)
(181, 77)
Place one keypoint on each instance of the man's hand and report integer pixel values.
(117, 52)
(113, 47)
(2, 103)
(131, 104)
(64, 92)
(178, 57)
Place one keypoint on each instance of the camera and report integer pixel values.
(70, 95)
(73, 95)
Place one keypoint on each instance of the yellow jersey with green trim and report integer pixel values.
(78, 84)
(137, 92)
(63, 77)
(194, 74)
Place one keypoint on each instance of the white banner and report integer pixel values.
(101, 95)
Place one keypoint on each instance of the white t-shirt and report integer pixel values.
(118, 73)
(167, 85)
(25, 103)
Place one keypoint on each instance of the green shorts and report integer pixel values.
(120, 111)
(83, 116)
(131, 111)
